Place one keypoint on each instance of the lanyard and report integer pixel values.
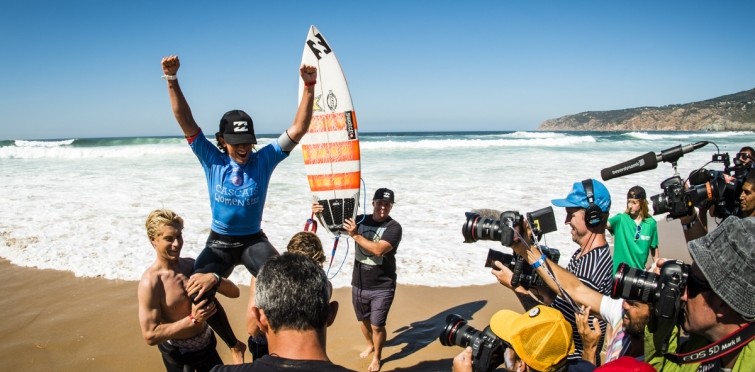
(709, 356)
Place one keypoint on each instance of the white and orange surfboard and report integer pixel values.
(331, 146)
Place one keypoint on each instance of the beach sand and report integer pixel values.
(53, 320)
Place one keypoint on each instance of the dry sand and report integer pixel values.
(54, 321)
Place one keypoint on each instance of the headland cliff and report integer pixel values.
(735, 112)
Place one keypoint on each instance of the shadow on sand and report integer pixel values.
(418, 335)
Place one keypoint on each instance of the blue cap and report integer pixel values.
(578, 199)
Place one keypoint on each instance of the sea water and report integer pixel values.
(80, 204)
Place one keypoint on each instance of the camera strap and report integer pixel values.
(709, 356)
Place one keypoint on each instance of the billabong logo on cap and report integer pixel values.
(240, 126)
(535, 311)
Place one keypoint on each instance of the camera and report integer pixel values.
(524, 274)
(717, 189)
(707, 188)
(477, 227)
(663, 291)
(487, 348)
(673, 200)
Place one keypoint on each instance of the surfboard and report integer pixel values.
(331, 145)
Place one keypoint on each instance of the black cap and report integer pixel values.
(636, 192)
(236, 127)
(384, 194)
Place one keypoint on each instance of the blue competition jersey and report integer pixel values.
(237, 193)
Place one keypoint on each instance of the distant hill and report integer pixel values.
(730, 112)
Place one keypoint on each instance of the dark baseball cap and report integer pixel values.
(636, 192)
(384, 194)
(236, 127)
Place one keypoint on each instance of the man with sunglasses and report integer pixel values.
(696, 224)
(718, 306)
(746, 155)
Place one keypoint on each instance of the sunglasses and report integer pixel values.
(695, 286)
(744, 155)
(637, 235)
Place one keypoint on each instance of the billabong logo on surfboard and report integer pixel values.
(320, 41)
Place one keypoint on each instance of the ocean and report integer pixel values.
(80, 204)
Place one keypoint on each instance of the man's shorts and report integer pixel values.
(372, 305)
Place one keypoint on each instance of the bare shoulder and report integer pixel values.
(150, 279)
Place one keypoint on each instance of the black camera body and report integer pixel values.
(541, 221)
(673, 200)
(524, 274)
(707, 188)
(663, 291)
(487, 348)
(477, 227)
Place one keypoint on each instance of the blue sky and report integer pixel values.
(75, 69)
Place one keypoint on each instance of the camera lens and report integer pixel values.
(633, 284)
(660, 204)
(457, 332)
(480, 228)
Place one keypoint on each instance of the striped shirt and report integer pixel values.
(595, 270)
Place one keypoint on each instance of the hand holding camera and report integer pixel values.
(510, 230)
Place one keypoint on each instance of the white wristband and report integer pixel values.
(169, 77)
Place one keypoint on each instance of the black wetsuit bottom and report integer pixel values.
(222, 253)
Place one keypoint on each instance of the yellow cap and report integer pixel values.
(540, 337)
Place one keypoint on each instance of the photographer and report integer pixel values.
(587, 206)
(627, 318)
(719, 304)
(747, 197)
(747, 156)
(696, 226)
(540, 338)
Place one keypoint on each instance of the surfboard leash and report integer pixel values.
(311, 224)
(345, 257)
(333, 252)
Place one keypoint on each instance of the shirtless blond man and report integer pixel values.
(167, 316)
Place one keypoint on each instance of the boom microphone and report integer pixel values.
(673, 154)
(649, 161)
(639, 164)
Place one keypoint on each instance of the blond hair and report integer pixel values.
(162, 217)
(308, 244)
